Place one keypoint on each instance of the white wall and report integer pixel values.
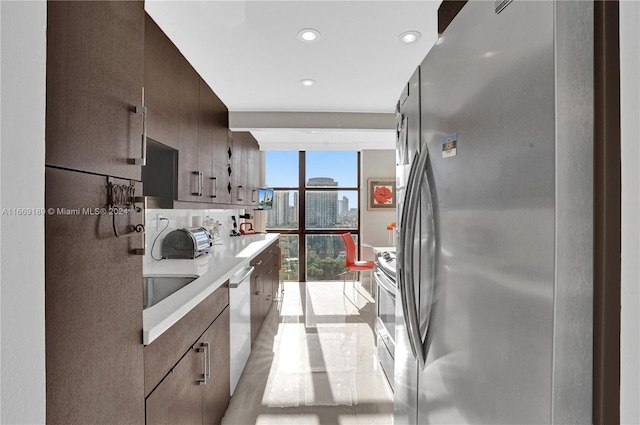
(373, 223)
(156, 229)
(630, 111)
(22, 354)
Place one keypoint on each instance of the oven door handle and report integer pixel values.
(384, 284)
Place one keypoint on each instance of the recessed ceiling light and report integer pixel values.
(410, 37)
(309, 35)
(307, 82)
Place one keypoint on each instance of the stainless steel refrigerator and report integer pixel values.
(495, 195)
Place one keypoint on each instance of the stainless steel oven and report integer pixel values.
(384, 275)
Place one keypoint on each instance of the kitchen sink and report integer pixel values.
(157, 288)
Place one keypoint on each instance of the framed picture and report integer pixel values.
(382, 194)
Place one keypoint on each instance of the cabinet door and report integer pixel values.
(276, 271)
(178, 398)
(246, 169)
(267, 288)
(231, 173)
(242, 166)
(190, 182)
(239, 169)
(273, 279)
(212, 145)
(206, 131)
(253, 175)
(256, 303)
(221, 156)
(163, 353)
(162, 69)
(95, 56)
(216, 392)
(93, 305)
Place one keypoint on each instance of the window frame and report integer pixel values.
(302, 231)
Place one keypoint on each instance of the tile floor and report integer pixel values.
(314, 362)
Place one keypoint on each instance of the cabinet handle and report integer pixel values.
(240, 193)
(253, 195)
(258, 281)
(269, 297)
(143, 111)
(259, 263)
(206, 363)
(214, 187)
(199, 183)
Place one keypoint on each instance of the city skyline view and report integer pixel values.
(327, 207)
(281, 170)
(324, 210)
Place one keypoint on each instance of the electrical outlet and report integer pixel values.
(158, 218)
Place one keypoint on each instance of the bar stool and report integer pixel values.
(356, 266)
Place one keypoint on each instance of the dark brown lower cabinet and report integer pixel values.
(256, 303)
(196, 389)
(264, 285)
(178, 398)
(215, 395)
(93, 304)
(261, 297)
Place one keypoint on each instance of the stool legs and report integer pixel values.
(357, 274)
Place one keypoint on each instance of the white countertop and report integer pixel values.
(213, 269)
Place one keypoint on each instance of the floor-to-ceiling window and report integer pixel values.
(315, 199)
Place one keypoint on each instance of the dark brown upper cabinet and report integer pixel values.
(245, 180)
(95, 54)
(172, 90)
(163, 67)
(215, 166)
(185, 114)
(253, 178)
(190, 177)
(212, 146)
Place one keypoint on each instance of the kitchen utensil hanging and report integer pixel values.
(122, 196)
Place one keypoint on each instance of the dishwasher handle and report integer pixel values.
(240, 277)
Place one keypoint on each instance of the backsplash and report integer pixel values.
(179, 219)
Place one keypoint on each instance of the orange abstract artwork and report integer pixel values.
(382, 195)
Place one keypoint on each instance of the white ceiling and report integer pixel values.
(338, 140)
(250, 55)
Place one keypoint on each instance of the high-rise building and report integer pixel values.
(279, 215)
(321, 208)
(293, 210)
(343, 207)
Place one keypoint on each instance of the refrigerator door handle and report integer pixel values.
(428, 252)
(405, 275)
(409, 224)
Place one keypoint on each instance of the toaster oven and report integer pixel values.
(190, 242)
